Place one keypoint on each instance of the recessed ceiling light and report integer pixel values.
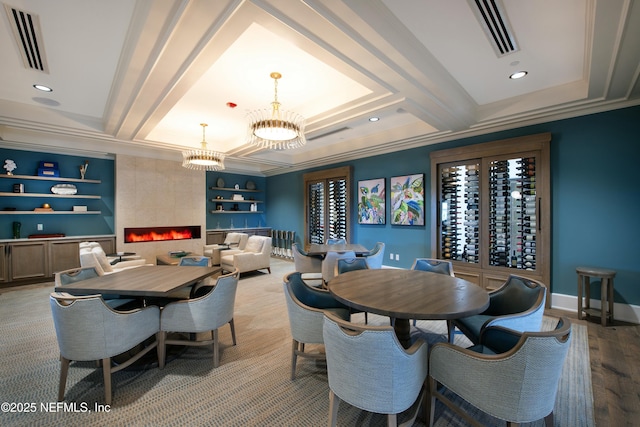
(374, 119)
(43, 88)
(518, 75)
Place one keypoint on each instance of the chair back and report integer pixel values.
(258, 244)
(303, 262)
(329, 263)
(337, 241)
(517, 295)
(236, 240)
(74, 275)
(87, 329)
(376, 256)
(368, 368)
(433, 265)
(195, 261)
(305, 321)
(207, 312)
(350, 264)
(524, 380)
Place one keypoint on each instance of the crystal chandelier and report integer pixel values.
(275, 128)
(202, 158)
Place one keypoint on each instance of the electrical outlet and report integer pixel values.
(40, 227)
(397, 257)
(391, 257)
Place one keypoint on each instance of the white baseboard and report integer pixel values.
(625, 312)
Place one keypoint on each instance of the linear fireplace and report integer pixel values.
(154, 234)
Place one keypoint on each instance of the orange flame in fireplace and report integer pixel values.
(159, 234)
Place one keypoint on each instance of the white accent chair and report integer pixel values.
(206, 313)
(369, 369)
(88, 329)
(92, 255)
(255, 256)
(232, 240)
(309, 266)
(518, 385)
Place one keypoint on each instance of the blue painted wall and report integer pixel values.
(70, 225)
(595, 198)
(235, 220)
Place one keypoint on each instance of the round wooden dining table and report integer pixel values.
(409, 294)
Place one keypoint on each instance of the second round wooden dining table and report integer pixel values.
(409, 294)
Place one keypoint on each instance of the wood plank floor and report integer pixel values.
(615, 370)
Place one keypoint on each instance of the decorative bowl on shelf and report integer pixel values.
(250, 185)
(64, 189)
(220, 182)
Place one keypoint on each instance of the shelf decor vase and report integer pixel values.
(16, 229)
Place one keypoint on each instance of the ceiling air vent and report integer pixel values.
(493, 19)
(333, 132)
(26, 32)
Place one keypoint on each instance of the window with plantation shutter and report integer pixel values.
(327, 205)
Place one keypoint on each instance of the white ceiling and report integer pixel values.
(138, 77)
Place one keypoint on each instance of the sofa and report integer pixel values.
(231, 241)
(256, 255)
(92, 255)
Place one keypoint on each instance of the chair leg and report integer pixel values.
(392, 420)
(334, 403)
(216, 349)
(233, 331)
(548, 420)
(433, 385)
(64, 369)
(294, 358)
(162, 350)
(106, 373)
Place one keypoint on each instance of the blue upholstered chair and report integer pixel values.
(517, 305)
(369, 369)
(375, 256)
(518, 385)
(433, 266)
(73, 275)
(306, 307)
(337, 241)
(88, 329)
(330, 261)
(206, 313)
(195, 261)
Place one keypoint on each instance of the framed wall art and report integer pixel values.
(371, 201)
(407, 200)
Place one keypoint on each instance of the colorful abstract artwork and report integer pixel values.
(371, 201)
(407, 200)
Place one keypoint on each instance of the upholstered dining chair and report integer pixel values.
(73, 275)
(88, 329)
(522, 378)
(369, 369)
(375, 256)
(188, 291)
(329, 263)
(518, 305)
(344, 265)
(433, 266)
(206, 313)
(438, 266)
(306, 306)
(337, 241)
(309, 266)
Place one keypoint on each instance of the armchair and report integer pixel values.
(306, 306)
(368, 368)
(255, 256)
(87, 329)
(433, 266)
(231, 241)
(375, 256)
(309, 266)
(74, 275)
(518, 305)
(522, 380)
(92, 255)
(330, 261)
(206, 313)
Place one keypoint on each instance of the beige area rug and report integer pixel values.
(250, 388)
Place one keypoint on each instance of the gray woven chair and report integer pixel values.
(368, 368)
(375, 256)
(518, 385)
(73, 275)
(438, 266)
(88, 329)
(337, 241)
(344, 265)
(330, 261)
(306, 307)
(206, 313)
(517, 305)
(309, 266)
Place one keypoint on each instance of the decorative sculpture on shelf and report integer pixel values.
(83, 169)
(10, 166)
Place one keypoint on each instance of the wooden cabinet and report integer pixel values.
(29, 260)
(492, 210)
(34, 260)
